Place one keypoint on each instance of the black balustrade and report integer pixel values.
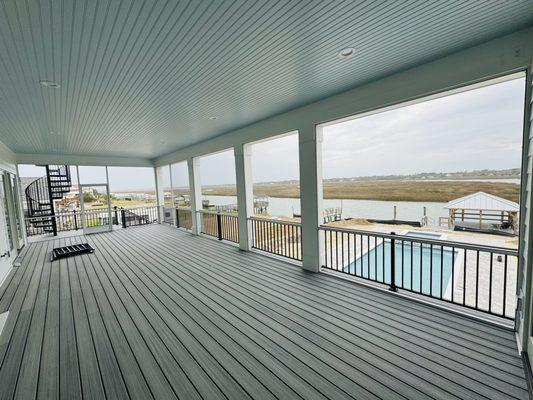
(223, 226)
(475, 276)
(282, 238)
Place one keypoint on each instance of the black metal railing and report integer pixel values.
(42, 225)
(184, 218)
(138, 216)
(75, 220)
(483, 278)
(283, 238)
(41, 193)
(220, 225)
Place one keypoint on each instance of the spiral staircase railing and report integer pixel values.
(41, 193)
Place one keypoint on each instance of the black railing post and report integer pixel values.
(219, 226)
(123, 216)
(177, 218)
(393, 264)
(50, 198)
(75, 221)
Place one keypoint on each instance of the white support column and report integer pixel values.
(21, 208)
(195, 186)
(245, 195)
(172, 202)
(524, 312)
(159, 191)
(310, 150)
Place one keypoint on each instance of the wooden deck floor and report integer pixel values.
(158, 313)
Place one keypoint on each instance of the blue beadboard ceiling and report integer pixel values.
(143, 78)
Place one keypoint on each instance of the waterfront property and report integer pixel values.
(195, 298)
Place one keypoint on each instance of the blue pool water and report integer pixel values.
(375, 264)
(424, 235)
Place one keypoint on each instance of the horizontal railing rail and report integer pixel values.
(283, 238)
(223, 226)
(184, 218)
(478, 277)
(462, 245)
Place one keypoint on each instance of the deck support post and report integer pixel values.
(159, 191)
(245, 195)
(524, 287)
(195, 185)
(310, 152)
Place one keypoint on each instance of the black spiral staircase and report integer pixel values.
(41, 193)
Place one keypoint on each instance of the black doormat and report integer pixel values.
(70, 251)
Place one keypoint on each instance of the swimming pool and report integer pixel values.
(423, 235)
(375, 265)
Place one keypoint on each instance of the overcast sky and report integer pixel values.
(476, 129)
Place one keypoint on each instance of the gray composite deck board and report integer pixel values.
(262, 283)
(158, 313)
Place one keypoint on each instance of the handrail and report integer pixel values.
(223, 226)
(135, 207)
(36, 189)
(91, 210)
(439, 242)
(40, 193)
(275, 221)
(73, 220)
(217, 213)
(478, 277)
(282, 238)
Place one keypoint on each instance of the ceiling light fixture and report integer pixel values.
(50, 84)
(347, 52)
(213, 118)
(54, 133)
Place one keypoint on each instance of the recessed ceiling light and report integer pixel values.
(50, 84)
(54, 133)
(347, 52)
(213, 118)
